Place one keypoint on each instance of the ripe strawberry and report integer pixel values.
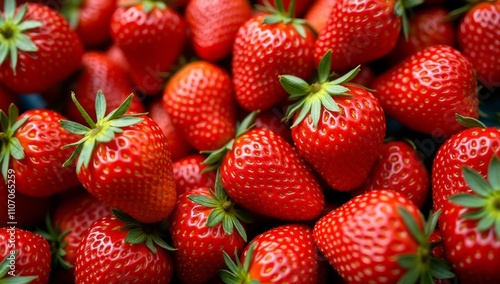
(151, 36)
(473, 147)
(41, 47)
(213, 25)
(399, 168)
(361, 31)
(470, 226)
(266, 46)
(338, 127)
(190, 173)
(478, 34)
(24, 257)
(123, 160)
(317, 15)
(202, 230)
(427, 89)
(31, 152)
(120, 250)
(380, 236)
(200, 100)
(284, 254)
(99, 72)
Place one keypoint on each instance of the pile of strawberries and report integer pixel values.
(237, 141)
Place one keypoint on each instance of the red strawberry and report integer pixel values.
(473, 147)
(338, 128)
(214, 24)
(399, 168)
(200, 100)
(427, 89)
(151, 36)
(266, 46)
(379, 236)
(40, 46)
(24, 257)
(202, 228)
(123, 160)
(99, 72)
(361, 31)
(478, 34)
(120, 250)
(284, 254)
(470, 226)
(31, 152)
(189, 173)
(317, 15)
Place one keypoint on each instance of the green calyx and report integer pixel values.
(312, 98)
(101, 131)
(13, 27)
(278, 14)
(6, 276)
(469, 122)
(57, 246)
(237, 272)
(148, 5)
(151, 235)
(223, 210)
(422, 267)
(400, 9)
(11, 147)
(215, 157)
(484, 201)
(71, 11)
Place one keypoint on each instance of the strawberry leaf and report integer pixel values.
(324, 67)
(4, 269)
(10, 146)
(294, 85)
(469, 122)
(236, 272)
(440, 269)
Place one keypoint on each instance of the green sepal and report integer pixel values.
(54, 237)
(469, 122)
(238, 272)
(324, 67)
(4, 270)
(71, 11)
(295, 86)
(280, 15)
(10, 145)
(412, 226)
(400, 9)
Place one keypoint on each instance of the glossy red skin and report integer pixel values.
(399, 168)
(59, 54)
(94, 21)
(478, 34)
(38, 208)
(263, 173)
(150, 42)
(428, 27)
(33, 253)
(301, 6)
(199, 254)
(473, 147)
(358, 32)
(261, 52)
(213, 25)
(200, 101)
(318, 13)
(284, 254)
(427, 89)
(42, 137)
(104, 257)
(177, 144)
(99, 72)
(362, 238)
(116, 55)
(338, 149)
(473, 255)
(188, 173)
(133, 173)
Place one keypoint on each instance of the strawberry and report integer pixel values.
(123, 160)
(99, 72)
(190, 173)
(200, 100)
(478, 34)
(399, 168)
(31, 152)
(470, 225)
(361, 31)
(202, 228)
(264, 174)
(24, 257)
(41, 47)
(266, 46)
(151, 36)
(213, 25)
(380, 236)
(473, 147)
(332, 122)
(118, 249)
(427, 89)
(284, 254)
(318, 13)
